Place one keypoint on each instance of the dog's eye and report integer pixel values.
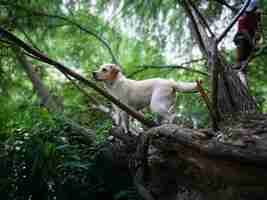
(104, 70)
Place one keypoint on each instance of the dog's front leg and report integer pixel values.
(124, 121)
(117, 117)
(121, 118)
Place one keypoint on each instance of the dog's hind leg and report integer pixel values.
(162, 102)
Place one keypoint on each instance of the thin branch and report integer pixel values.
(201, 18)
(228, 28)
(195, 27)
(193, 61)
(95, 104)
(42, 57)
(174, 67)
(90, 32)
(6, 42)
(182, 64)
(27, 37)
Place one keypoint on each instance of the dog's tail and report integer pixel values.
(186, 86)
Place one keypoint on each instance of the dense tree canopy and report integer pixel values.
(41, 110)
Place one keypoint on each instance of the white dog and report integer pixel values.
(158, 94)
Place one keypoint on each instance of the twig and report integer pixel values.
(193, 61)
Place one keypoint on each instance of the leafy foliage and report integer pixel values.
(39, 160)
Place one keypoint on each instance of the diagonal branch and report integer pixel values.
(94, 103)
(205, 23)
(227, 29)
(42, 57)
(173, 67)
(188, 11)
(27, 37)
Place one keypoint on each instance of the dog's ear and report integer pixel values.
(115, 69)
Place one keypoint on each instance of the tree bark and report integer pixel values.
(228, 94)
(170, 162)
(207, 163)
(195, 28)
(47, 100)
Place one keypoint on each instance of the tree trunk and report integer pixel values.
(228, 94)
(233, 96)
(47, 99)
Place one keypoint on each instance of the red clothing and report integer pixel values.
(249, 23)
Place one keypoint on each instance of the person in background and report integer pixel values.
(246, 37)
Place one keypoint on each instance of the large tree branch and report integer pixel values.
(42, 57)
(214, 66)
(71, 22)
(197, 141)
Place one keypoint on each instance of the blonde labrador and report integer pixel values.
(159, 94)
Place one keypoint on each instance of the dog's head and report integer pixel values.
(106, 72)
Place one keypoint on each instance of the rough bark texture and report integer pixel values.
(233, 96)
(46, 98)
(174, 163)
